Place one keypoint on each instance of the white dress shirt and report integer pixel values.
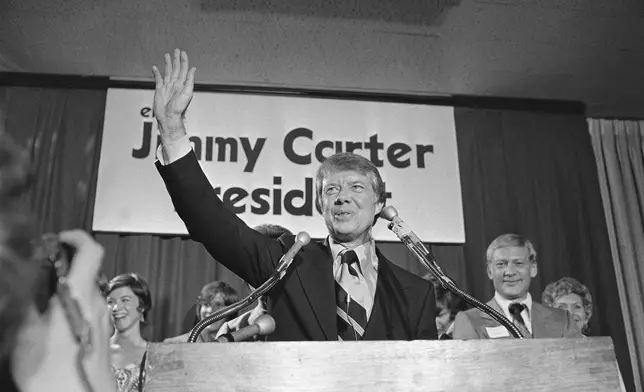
(505, 306)
(368, 266)
(170, 152)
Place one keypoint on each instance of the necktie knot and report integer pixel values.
(516, 309)
(349, 257)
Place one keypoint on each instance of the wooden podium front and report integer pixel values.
(586, 364)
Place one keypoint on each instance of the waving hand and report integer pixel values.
(173, 94)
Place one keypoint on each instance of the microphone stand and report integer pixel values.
(425, 256)
(301, 239)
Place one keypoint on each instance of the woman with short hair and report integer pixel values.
(571, 295)
(213, 297)
(129, 301)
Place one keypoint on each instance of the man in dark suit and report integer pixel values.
(338, 289)
(511, 265)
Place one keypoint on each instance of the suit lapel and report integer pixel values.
(540, 319)
(316, 278)
(388, 307)
(482, 329)
(542, 323)
(494, 305)
(381, 313)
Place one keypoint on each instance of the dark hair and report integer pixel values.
(346, 161)
(210, 291)
(139, 287)
(445, 299)
(272, 231)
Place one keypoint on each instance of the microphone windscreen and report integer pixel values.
(388, 213)
(303, 237)
(266, 324)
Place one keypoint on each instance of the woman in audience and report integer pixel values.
(447, 307)
(222, 295)
(571, 295)
(213, 297)
(129, 301)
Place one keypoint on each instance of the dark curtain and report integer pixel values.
(62, 130)
(523, 172)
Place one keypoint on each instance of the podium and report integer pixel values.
(586, 364)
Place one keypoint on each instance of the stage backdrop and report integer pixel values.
(261, 152)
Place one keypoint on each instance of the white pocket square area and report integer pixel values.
(497, 332)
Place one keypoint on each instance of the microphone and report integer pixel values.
(400, 228)
(264, 325)
(302, 239)
(409, 238)
(425, 256)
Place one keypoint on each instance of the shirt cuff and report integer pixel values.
(170, 152)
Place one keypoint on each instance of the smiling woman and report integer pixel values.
(571, 295)
(128, 299)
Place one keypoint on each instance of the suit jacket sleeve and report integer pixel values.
(463, 327)
(247, 253)
(427, 319)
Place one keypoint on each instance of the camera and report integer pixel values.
(55, 259)
(55, 255)
(55, 262)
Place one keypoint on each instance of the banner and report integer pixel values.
(261, 153)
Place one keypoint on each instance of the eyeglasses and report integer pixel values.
(210, 301)
(207, 300)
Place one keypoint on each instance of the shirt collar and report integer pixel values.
(504, 303)
(366, 253)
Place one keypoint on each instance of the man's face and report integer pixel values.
(511, 271)
(206, 308)
(349, 205)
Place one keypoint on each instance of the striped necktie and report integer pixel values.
(351, 292)
(516, 309)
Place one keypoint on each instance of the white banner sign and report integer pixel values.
(261, 153)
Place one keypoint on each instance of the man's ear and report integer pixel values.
(488, 268)
(379, 206)
(533, 269)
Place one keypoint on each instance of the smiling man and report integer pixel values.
(341, 288)
(511, 265)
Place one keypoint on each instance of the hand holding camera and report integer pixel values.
(67, 346)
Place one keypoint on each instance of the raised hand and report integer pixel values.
(46, 356)
(173, 94)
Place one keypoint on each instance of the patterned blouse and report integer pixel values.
(131, 377)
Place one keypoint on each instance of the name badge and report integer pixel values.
(497, 332)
